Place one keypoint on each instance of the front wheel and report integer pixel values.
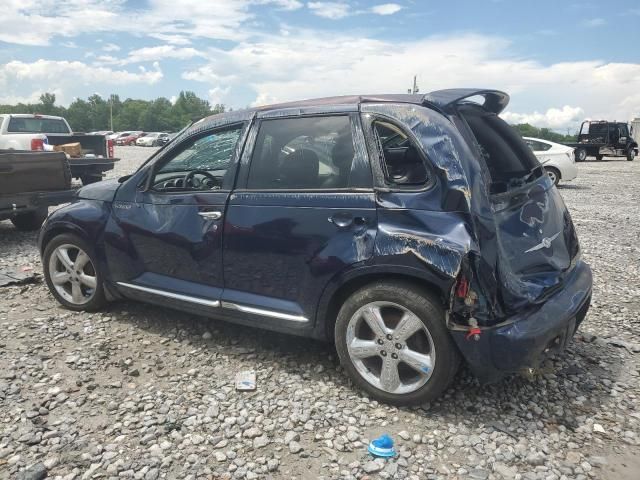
(392, 341)
(72, 275)
(581, 154)
(631, 154)
(31, 220)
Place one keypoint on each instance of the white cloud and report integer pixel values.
(331, 10)
(554, 118)
(303, 64)
(386, 9)
(17, 75)
(111, 47)
(594, 22)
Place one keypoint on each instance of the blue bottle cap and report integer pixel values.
(382, 447)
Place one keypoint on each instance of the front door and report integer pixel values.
(170, 233)
(305, 212)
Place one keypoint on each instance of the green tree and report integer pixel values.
(527, 130)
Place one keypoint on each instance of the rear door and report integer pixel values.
(304, 212)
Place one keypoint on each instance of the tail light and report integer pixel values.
(462, 289)
(110, 148)
(37, 144)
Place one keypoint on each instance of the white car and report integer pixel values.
(558, 160)
(153, 139)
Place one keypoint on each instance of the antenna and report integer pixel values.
(415, 88)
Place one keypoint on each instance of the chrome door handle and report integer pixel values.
(211, 215)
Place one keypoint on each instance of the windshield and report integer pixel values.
(37, 125)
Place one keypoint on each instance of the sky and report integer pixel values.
(560, 61)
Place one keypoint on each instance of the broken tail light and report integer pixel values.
(110, 148)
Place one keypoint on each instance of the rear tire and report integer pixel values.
(631, 154)
(91, 178)
(435, 360)
(554, 174)
(30, 221)
(599, 157)
(91, 296)
(581, 154)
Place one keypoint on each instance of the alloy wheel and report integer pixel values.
(72, 274)
(552, 176)
(390, 347)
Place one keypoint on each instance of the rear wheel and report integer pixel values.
(554, 174)
(31, 220)
(631, 154)
(581, 154)
(392, 341)
(599, 157)
(91, 178)
(71, 273)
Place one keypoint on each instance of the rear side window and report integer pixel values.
(37, 125)
(302, 153)
(401, 162)
(507, 157)
(537, 146)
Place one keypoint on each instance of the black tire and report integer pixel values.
(91, 178)
(30, 221)
(430, 312)
(580, 154)
(599, 157)
(631, 154)
(554, 174)
(98, 300)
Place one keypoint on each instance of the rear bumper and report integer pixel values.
(527, 339)
(25, 202)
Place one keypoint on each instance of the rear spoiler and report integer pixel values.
(495, 101)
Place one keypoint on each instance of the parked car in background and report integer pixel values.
(558, 160)
(129, 138)
(29, 183)
(106, 133)
(364, 220)
(153, 139)
(94, 154)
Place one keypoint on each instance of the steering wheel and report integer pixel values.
(190, 178)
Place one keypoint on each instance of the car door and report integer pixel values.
(303, 213)
(166, 236)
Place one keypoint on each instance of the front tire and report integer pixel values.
(631, 154)
(581, 154)
(71, 273)
(30, 221)
(392, 341)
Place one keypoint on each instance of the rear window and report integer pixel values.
(508, 158)
(37, 125)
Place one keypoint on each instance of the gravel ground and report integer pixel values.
(141, 392)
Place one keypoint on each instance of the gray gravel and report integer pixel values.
(142, 392)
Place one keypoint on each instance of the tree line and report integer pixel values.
(94, 113)
(160, 115)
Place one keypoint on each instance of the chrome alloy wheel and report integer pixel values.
(72, 274)
(552, 175)
(390, 347)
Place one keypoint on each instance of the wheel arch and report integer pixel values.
(60, 228)
(340, 289)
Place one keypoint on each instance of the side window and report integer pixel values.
(623, 130)
(302, 153)
(200, 165)
(538, 146)
(401, 160)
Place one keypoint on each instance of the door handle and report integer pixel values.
(211, 215)
(344, 220)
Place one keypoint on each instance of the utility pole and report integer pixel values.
(111, 111)
(415, 88)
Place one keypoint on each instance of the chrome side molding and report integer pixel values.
(175, 296)
(215, 303)
(264, 313)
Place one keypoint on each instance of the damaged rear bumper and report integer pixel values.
(531, 337)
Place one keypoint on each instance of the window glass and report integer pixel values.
(537, 146)
(202, 165)
(401, 162)
(37, 125)
(302, 153)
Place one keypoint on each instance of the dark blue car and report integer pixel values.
(415, 231)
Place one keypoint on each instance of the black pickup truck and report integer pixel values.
(44, 132)
(600, 138)
(29, 183)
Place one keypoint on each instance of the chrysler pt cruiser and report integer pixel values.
(416, 232)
